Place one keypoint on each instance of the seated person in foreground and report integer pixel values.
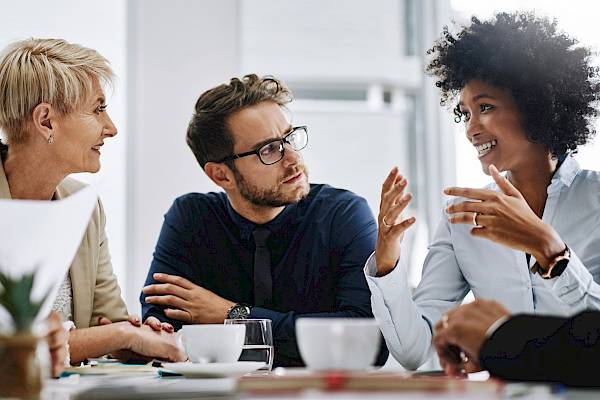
(53, 112)
(520, 347)
(272, 246)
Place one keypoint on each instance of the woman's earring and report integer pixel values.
(51, 139)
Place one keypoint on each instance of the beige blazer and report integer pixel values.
(96, 291)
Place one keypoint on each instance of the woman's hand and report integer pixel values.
(57, 343)
(391, 225)
(506, 218)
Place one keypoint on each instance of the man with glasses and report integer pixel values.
(272, 245)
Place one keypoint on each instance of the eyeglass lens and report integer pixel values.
(273, 152)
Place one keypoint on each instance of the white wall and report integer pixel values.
(327, 40)
(176, 50)
(354, 151)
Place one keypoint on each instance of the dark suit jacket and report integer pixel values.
(542, 348)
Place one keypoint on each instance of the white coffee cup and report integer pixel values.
(209, 343)
(338, 343)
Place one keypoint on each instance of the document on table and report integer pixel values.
(43, 237)
(139, 387)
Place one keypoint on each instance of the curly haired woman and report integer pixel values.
(526, 94)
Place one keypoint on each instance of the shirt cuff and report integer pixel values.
(371, 268)
(574, 283)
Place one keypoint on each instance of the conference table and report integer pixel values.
(145, 382)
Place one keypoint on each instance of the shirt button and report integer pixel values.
(393, 285)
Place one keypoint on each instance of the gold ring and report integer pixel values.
(385, 223)
(445, 321)
(475, 214)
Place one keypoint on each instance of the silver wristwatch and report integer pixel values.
(238, 311)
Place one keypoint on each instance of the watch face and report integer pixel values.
(238, 312)
(559, 268)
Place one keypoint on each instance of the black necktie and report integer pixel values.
(263, 285)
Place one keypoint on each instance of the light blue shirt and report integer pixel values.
(458, 262)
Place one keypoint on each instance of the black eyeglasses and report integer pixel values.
(273, 151)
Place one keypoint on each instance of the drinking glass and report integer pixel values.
(258, 345)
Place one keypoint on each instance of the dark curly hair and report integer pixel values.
(551, 79)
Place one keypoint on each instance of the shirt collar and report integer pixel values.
(282, 221)
(566, 173)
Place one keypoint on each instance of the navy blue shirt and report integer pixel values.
(318, 249)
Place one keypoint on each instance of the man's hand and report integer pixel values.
(391, 223)
(57, 343)
(186, 301)
(506, 218)
(464, 329)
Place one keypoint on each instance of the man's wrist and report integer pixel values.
(227, 306)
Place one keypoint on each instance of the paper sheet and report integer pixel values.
(43, 236)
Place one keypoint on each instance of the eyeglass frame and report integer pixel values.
(256, 151)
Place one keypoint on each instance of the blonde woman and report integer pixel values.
(53, 116)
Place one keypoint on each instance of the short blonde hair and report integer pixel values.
(52, 71)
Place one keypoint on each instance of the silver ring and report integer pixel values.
(475, 214)
(385, 223)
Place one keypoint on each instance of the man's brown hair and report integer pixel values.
(208, 133)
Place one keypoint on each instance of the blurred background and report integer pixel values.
(355, 67)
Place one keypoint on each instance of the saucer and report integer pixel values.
(212, 370)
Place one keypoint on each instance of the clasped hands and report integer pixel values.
(464, 329)
(151, 340)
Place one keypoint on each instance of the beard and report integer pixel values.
(271, 196)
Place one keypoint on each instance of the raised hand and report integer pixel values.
(391, 224)
(506, 218)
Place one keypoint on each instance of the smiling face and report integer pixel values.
(494, 126)
(79, 135)
(276, 185)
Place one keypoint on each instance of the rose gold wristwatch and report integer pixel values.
(556, 266)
